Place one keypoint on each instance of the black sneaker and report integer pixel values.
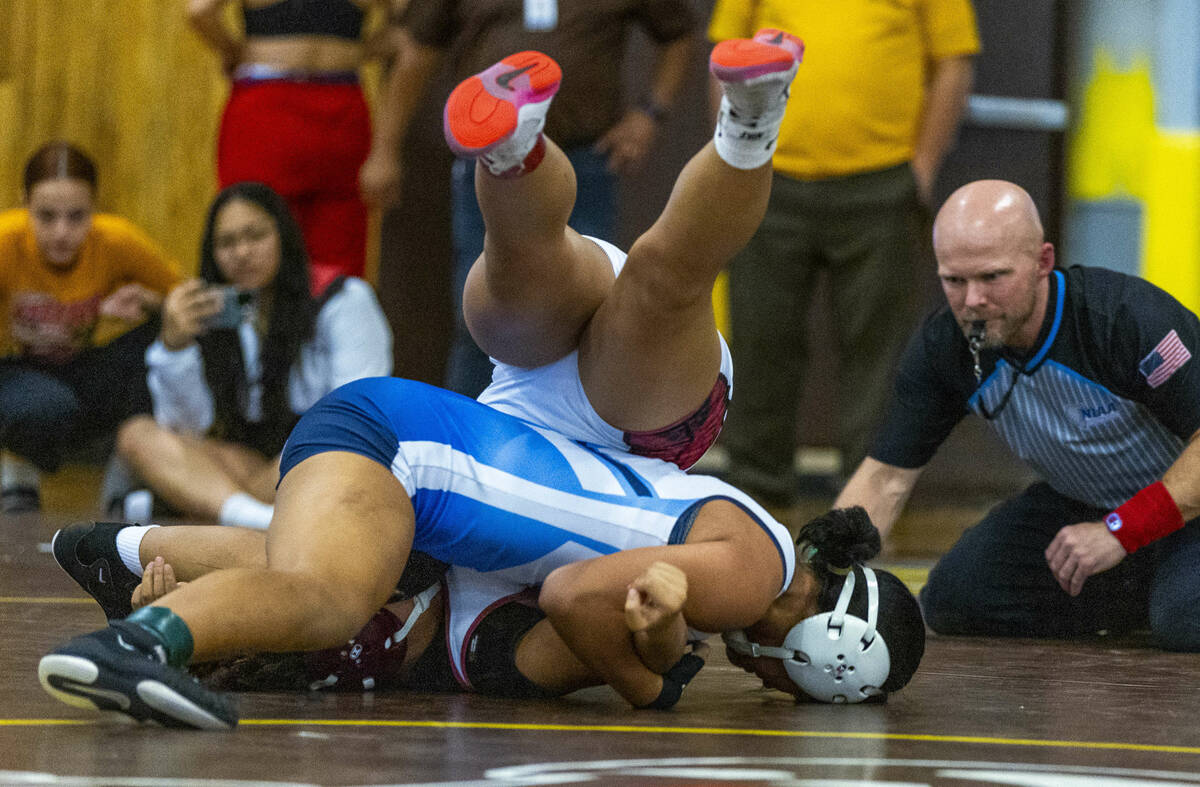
(88, 552)
(121, 670)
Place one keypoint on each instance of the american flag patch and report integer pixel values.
(1164, 360)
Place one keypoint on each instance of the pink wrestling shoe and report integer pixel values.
(498, 114)
(755, 73)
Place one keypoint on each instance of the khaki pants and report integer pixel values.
(864, 232)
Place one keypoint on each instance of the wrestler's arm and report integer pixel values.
(654, 615)
(585, 602)
(651, 611)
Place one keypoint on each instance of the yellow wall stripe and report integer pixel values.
(1107, 155)
(1172, 209)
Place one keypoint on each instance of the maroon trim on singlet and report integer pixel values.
(369, 660)
(685, 441)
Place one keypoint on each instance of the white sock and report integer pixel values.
(129, 542)
(16, 471)
(138, 506)
(747, 142)
(512, 156)
(243, 510)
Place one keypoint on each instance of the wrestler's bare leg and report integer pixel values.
(341, 534)
(649, 352)
(538, 282)
(193, 551)
(650, 355)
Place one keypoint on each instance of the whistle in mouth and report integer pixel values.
(978, 330)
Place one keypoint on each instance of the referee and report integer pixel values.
(1086, 374)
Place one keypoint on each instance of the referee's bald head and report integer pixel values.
(988, 214)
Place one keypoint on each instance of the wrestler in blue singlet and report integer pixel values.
(493, 493)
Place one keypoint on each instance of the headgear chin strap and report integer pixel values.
(832, 657)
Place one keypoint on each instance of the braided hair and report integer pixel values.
(833, 544)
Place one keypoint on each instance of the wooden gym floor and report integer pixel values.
(979, 711)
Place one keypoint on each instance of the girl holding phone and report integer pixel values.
(228, 384)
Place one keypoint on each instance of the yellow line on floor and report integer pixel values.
(483, 725)
(730, 731)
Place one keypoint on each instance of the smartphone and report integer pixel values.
(233, 302)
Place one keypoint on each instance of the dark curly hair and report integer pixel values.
(292, 322)
(835, 542)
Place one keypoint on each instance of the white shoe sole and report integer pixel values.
(156, 695)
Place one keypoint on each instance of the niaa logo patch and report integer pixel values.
(1092, 414)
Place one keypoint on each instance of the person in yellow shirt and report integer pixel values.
(881, 92)
(66, 274)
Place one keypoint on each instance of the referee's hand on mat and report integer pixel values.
(1081, 550)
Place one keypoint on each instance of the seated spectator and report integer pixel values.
(69, 279)
(243, 351)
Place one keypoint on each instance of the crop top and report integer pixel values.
(337, 18)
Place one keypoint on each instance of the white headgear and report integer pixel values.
(832, 657)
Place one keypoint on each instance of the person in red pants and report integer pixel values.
(297, 120)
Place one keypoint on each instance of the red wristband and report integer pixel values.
(1147, 516)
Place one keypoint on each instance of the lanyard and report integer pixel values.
(975, 342)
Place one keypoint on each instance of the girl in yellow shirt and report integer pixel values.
(63, 270)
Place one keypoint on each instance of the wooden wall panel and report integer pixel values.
(129, 82)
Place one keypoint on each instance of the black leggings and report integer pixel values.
(995, 581)
(46, 409)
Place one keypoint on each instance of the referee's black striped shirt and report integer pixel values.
(1102, 407)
